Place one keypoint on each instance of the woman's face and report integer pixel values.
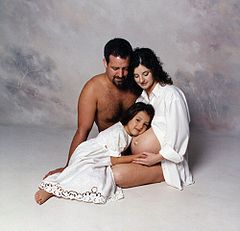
(143, 77)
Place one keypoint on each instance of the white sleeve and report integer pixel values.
(120, 142)
(174, 141)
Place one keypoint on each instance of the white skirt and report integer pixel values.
(87, 178)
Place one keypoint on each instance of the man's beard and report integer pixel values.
(120, 84)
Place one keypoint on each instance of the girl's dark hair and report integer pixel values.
(134, 109)
(147, 58)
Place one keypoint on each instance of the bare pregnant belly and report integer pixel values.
(147, 142)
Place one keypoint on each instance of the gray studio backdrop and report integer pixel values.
(49, 49)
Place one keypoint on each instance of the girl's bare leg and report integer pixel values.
(42, 196)
(132, 175)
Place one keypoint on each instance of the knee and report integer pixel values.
(118, 175)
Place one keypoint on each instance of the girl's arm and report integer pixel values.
(123, 159)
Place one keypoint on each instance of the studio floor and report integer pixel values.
(211, 204)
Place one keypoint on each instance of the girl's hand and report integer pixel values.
(124, 159)
(148, 158)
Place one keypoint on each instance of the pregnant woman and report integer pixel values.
(163, 147)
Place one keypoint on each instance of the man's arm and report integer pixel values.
(87, 107)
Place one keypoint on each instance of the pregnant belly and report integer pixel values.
(147, 142)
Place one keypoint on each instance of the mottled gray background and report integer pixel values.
(49, 49)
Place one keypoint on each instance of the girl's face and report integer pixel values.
(138, 124)
(143, 77)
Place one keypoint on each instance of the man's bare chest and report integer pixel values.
(110, 108)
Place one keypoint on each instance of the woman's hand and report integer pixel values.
(58, 170)
(148, 158)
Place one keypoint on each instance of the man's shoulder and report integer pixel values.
(97, 79)
(94, 83)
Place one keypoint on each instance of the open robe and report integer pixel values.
(171, 126)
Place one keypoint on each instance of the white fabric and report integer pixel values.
(171, 126)
(89, 176)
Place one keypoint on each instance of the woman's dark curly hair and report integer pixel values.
(147, 58)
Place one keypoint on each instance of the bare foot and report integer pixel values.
(42, 196)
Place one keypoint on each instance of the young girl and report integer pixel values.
(88, 176)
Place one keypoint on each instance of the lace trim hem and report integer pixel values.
(92, 196)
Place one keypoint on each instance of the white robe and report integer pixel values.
(171, 126)
(89, 177)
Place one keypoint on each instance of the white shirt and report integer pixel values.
(171, 126)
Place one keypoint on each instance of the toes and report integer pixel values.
(39, 201)
(38, 198)
(41, 196)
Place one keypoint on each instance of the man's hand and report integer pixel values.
(58, 170)
(148, 158)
